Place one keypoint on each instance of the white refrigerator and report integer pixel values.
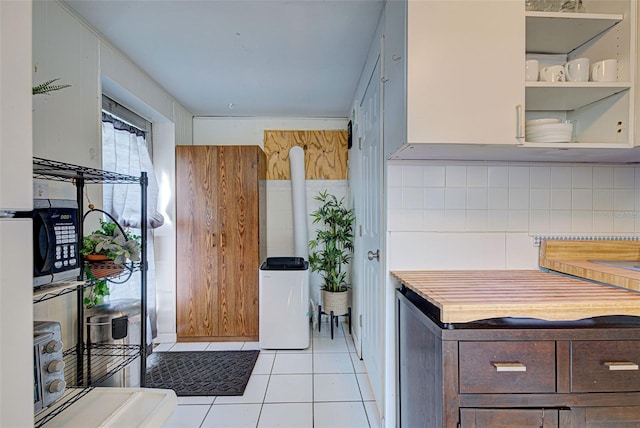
(16, 184)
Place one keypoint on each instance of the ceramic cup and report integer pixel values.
(553, 73)
(531, 70)
(577, 70)
(604, 71)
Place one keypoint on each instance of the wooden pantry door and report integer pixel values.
(220, 216)
(197, 240)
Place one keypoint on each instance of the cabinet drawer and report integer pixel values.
(605, 366)
(509, 418)
(507, 367)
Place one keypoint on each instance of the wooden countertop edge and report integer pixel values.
(596, 272)
(463, 312)
(545, 311)
(572, 257)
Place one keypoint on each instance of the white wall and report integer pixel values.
(484, 215)
(67, 128)
(225, 131)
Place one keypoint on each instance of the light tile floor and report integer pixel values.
(325, 385)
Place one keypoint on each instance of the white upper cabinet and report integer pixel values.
(465, 71)
(465, 93)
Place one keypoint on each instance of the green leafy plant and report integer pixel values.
(111, 242)
(333, 245)
(94, 295)
(108, 241)
(47, 87)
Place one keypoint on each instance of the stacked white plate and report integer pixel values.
(548, 131)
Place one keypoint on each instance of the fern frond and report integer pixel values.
(46, 87)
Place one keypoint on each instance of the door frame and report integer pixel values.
(386, 402)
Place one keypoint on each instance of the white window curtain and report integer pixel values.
(124, 151)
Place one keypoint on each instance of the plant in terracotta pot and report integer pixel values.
(331, 250)
(106, 250)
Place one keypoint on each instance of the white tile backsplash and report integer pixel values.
(603, 199)
(540, 177)
(477, 198)
(603, 177)
(582, 199)
(519, 198)
(477, 176)
(540, 198)
(560, 199)
(412, 198)
(623, 199)
(519, 177)
(481, 205)
(498, 198)
(623, 177)
(498, 175)
(582, 177)
(456, 176)
(433, 198)
(434, 176)
(412, 176)
(560, 177)
(455, 198)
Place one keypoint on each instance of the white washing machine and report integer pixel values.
(284, 303)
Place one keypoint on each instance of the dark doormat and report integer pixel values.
(201, 373)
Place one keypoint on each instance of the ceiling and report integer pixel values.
(257, 58)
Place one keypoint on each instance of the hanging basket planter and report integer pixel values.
(110, 250)
(102, 266)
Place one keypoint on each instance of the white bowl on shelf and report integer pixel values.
(543, 121)
(550, 133)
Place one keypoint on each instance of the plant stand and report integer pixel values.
(332, 315)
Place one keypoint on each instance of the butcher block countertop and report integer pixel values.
(576, 257)
(466, 296)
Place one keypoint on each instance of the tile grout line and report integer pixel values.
(264, 397)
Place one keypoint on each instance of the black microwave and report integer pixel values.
(56, 255)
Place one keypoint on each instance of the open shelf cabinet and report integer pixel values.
(602, 112)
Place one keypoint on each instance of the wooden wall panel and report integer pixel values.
(325, 153)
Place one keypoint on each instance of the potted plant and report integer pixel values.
(106, 250)
(331, 250)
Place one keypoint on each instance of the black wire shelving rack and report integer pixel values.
(87, 364)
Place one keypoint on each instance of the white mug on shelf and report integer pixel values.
(577, 70)
(553, 73)
(531, 70)
(605, 71)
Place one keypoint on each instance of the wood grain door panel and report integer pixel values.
(220, 241)
(197, 241)
(239, 260)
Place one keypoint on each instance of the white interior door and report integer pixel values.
(372, 289)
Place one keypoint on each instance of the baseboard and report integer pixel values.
(166, 338)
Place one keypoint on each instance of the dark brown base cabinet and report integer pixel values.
(515, 373)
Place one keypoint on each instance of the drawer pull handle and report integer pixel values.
(621, 365)
(514, 366)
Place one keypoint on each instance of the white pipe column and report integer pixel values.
(299, 198)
